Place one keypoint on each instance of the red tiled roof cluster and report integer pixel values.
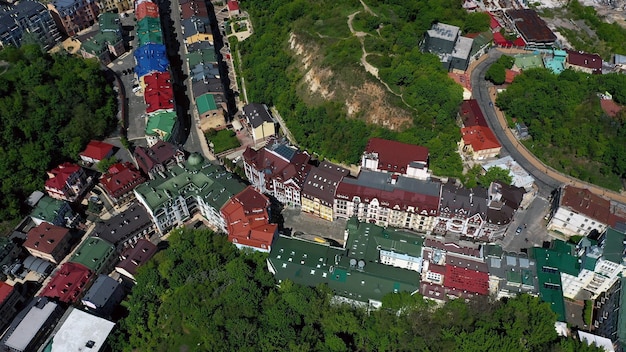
(68, 283)
(582, 201)
(480, 138)
(158, 93)
(493, 22)
(120, 179)
(5, 291)
(146, 9)
(396, 156)
(46, 237)
(233, 5)
(247, 219)
(97, 150)
(471, 115)
(465, 279)
(60, 174)
(277, 167)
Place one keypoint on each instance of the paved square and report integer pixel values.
(298, 223)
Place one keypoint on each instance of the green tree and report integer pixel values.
(104, 164)
(495, 174)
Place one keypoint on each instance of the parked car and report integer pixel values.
(518, 230)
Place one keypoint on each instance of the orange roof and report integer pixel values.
(461, 79)
(510, 76)
(247, 220)
(480, 138)
(585, 202)
(610, 107)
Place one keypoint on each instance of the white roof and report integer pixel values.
(521, 178)
(79, 330)
(29, 326)
(599, 341)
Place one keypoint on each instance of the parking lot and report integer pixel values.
(297, 222)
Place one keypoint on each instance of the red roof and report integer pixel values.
(137, 255)
(121, 178)
(471, 114)
(247, 219)
(233, 6)
(193, 9)
(146, 9)
(68, 283)
(510, 76)
(436, 268)
(161, 153)
(276, 166)
(586, 60)
(519, 42)
(60, 174)
(46, 238)
(582, 201)
(480, 138)
(5, 291)
(158, 93)
(97, 150)
(610, 107)
(460, 278)
(396, 156)
(493, 23)
(462, 79)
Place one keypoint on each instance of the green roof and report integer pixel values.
(201, 56)
(365, 240)
(148, 24)
(210, 182)
(109, 22)
(161, 124)
(493, 250)
(205, 102)
(98, 43)
(155, 37)
(94, 253)
(527, 61)
(621, 322)
(614, 245)
(480, 41)
(47, 209)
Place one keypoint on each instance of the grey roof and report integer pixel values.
(517, 273)
(207, 85)
(102, 291)
(80, 331)
(444, 31)
(123, 226)
(322, 181)
(379, 180)
(199, 46)
(257, 114)
(463, 48)
(36, 317)
(37, 265)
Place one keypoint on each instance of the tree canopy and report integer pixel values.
(50, 107)
(201, 293)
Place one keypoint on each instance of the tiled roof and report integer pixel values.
(60, 175)
(247, 219)
(582, 201)
(194, 9)
(233, 5)
(322, 182)
(136, 255)
(97, 150)
(46, 237)
(5, 291)
(583, 59)
(146, 9)
(68, 283)
(158, 94)
(160, 153)
(121, 178)
(471, 115)
(531, 26)
(275, 165)
(462, 278)
(480, 138)
(396, 156)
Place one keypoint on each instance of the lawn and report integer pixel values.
(222, 140)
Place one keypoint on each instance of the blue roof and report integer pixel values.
(150, 58)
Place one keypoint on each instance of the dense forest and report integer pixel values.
(394, 33)
(50, 107)
(569, 130)
(202, 294)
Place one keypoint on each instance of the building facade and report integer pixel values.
(73, 16)
(318, 191)
(28, 18)
(67, 182)
(577, 211)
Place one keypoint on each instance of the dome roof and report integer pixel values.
(195, 159)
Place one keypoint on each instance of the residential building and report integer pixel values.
(80, 331)
(478, 213)
(247, 218)
(396, 158)
(68, 283)
(196, 29)
(595, 340)
(28, 18)
(149, 31)
(97, 151)
(150, 58)
(11, 299)
(156, 82)
(96, 254)
(479, 143)
(521, 178)
(584, 62)
(67, 182)
(73, 16)
(126, 228)
(157, 158)
(146, 9)
(577, 211)
(54, 211)
(511, 274)
(117, 6)
(198, 186)
(134, 256)
(277, 169)
(607, 310)
(9, 251)
(48, 242)
(531, 27)
(389, 200)
(193, 8)
(318, 190)
(233, 8)
(208, 108)
(108, 43)
(158, 93)
(470, 114)
(161, 125)
(120, 180)
(353, 279)
(103, 296)
(261, 122)
(445, 41)
(31, 326)
(41, 267)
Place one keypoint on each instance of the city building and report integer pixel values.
(103, 296)
(511, 274)
(248, 221)
(96, 151)
(73, 16)
(198, 186)
(531, 27)
(117, 6)
(145, 9)
(389, 200)
(150, 58)
(31, 326)
(108, 43)
(396, 158)
(196, 29)
(79, 331)
(277, 169)
(96, 254)
(134, 256)
(158, 93)
(161, 126)
(577, 211)
(193, 8)
(158, 158)
(478, 213)
(28, 18)
(54, 211)
(9, 251)
(261, 123)
(120, 180)
(233, 8)
(584, 62)
(318, 190)
(479, 143)
(470, 114)
(11, 299)
(149, 31)
(126, 228)
(445, 41)
(68, 283)
(49, 242)
(67, 182)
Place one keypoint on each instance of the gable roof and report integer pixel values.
(322, 182)
(97, 150)
(531, 26)
(121, 178)
(194, 9)
(68, 283)
(160, 153)
(257, 114)
(233, 5)
(60, 174)
(396, 156)
(150, 58)
(583, 201)
(5, 291)
(101, 291)
(480, 138)
(206, 103)
(161, 124)
(46, 237)
(583, 59)
(136, 255)
(247, 219)
(94, 253)
(279, 161)
(146, 9)
(471, 114)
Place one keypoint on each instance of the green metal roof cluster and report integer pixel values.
(197, 178)
(109, 21)
(201, 56)
(150, 37)
(148, 24)
(205, 102)
(99, 43)
(47, 209)
(365, 240)
(614, 245)
(161, 124)
(94, 253)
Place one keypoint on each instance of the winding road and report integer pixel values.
(546, 178)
